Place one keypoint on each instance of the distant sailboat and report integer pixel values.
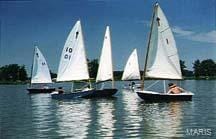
(162, 60)
(73, 66)
(131, 70)
(40, 74)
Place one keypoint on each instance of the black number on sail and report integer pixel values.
(77, 33)
(167, 41)
(37, 55)
(67, 56)
(43, 63)
(70, 50)
(158, 20)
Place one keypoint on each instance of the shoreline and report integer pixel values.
(27, 82)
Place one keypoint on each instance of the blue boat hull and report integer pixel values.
(40, 90)
(101, 93)
(86, 94)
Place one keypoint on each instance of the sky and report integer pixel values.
(25, 23)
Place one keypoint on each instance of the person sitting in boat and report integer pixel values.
(133, 84)
(60, 90)
(174, 89)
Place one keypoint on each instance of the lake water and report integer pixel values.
(124, 116)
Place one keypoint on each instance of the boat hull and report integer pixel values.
(40, 90)
(161, 97)
(104, 93)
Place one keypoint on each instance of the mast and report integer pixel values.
(32, 64)
(112, 62)
(147, 52)
(164, 84)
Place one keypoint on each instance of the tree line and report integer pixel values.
(13, 72)
(201, 69)
(205, 68)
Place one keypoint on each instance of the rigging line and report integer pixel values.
(164, 29)
(152, 84)
(172, 55)
(148, 47)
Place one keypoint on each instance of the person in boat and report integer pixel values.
(174, 89)
(60, 90)
(133, 84)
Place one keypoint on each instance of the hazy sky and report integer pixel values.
(47, 24)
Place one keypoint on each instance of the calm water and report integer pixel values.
(125, 116)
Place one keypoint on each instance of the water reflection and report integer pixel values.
(132, 120)
(162, 119)
(73, 118)
(41, 115)
(105, 118)
(102, 118)
(125, 116)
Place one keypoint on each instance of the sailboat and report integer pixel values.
(73, 64)
(162, 60)
(105, 69)
(74, 67)
(131, 70)
(40, 74)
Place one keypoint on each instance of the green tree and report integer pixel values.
(185, 72)
(197, 68)
(13, 72)
(53, 75)
(22, 73)
(208, 68)
(93, 67)
(117, 75)
(204, 68)
(183, 67)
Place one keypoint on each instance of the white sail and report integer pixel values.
(73, 63)
(131, 70)
(40, 70)
(105, 69)
(163, 59)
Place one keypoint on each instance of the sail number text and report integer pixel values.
(68, 53)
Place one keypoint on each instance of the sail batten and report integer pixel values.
(163, 60)
(73, 63)
(105, 69)
(40, 70)
(131, 70)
